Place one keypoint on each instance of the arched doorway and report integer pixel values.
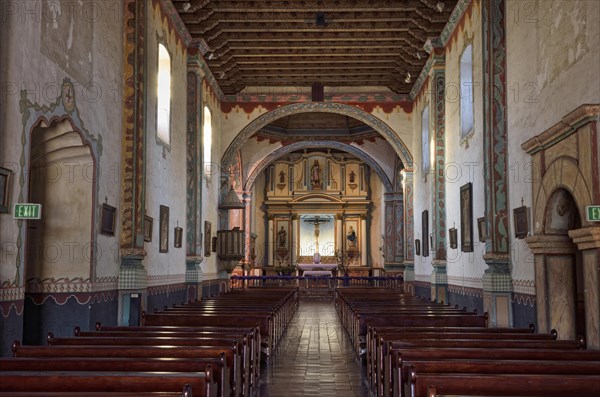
(564, 243)
(59, 247)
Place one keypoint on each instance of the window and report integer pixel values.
(425, 153)
(466, 91)
(207, 141)
(163, 93)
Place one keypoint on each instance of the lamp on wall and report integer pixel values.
(186, 6)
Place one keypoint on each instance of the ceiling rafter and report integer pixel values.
(335, 42)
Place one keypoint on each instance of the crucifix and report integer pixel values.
(316, 221)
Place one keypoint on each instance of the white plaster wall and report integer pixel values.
(97, 76)
(464, 161)
(423, 190)
(383, 153)
(398, 120)
(165, 170)
(211, 180)
(257, 221)
(553, 57)
(253, 152)
(377, 227)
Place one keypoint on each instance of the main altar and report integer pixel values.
(317, 207)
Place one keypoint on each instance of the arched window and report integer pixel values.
(207, 141)
(163, 94)
(425, 152)
(466, 91)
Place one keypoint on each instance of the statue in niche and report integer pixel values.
(315, 175)
(281, 238)
(352, 177)
(281, 177)
(351, 237)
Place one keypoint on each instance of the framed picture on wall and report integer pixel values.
(425, 232)
(108, 219)
(453, 238)
(148, 221)
(177, 240)
(417, 247)
(466, 218)
(5, 181)
(521, 222)
(163, 233)
(482, 229)
(207, 238)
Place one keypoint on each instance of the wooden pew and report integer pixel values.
(232, 356)
(400, 373)
(379, 363)
(178, 331)
(483, 366)
(253, 337)
(187, 392)
(505, 385)
(73, 381)
(265, 324)
(218, 365)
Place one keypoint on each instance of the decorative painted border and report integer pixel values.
(523, 299)
(165, 289)
(194, 162)
(7, 306)
(439, 180)
(409, 214)
(466, 291)
(495, 128)
(81, 298)
(165, 279)
(132, 147)
(526, 287)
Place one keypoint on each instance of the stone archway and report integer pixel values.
(347, 110)
(566, 245)
(60, 246)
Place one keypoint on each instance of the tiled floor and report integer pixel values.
(314, 358)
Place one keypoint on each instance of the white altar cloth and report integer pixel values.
(317, 273)
(313, 266)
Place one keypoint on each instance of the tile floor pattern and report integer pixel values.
(314, 358)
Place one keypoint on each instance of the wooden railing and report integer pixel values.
(316, 282)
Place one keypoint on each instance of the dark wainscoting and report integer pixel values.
(11, 328)
(524, 310)
(57, 313)
(471, 298)
(166, 295)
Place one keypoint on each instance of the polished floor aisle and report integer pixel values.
(314, 358)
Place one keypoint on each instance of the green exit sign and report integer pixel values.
(593, 213)
(27, 211)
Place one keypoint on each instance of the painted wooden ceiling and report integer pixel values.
(338, 43)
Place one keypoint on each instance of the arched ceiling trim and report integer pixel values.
(264, 163)
(262, 120)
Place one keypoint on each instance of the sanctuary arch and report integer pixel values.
(398, 213)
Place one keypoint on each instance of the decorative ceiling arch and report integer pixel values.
(328, 107)
(282, 151)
